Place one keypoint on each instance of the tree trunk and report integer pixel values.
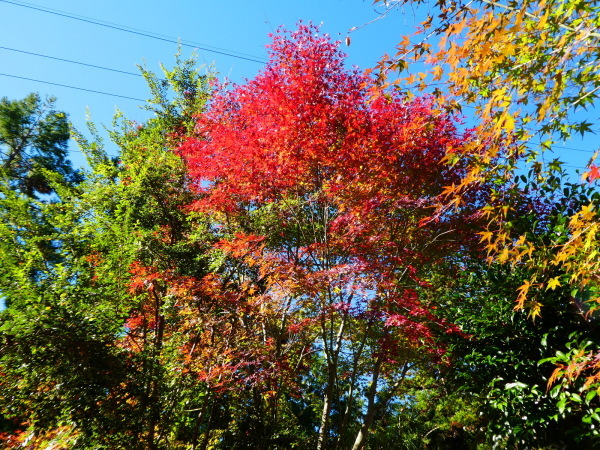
(332, 352)
(324, 428)
(350, 396)
(368, 420)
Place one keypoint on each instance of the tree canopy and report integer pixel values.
(529, 71)
(34, 141)
(315, 258)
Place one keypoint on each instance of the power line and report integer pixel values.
(139, 33)
(73, 87)
(71, 61)
(561, 147)
(575, 149)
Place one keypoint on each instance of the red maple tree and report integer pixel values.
(322, 185)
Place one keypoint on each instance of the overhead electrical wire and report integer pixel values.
(563, 147)
(73, 87)
(139, 75)
(147, 34)
(71, 61)
(574, 149)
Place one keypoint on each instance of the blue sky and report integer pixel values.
(229, 27)
(236, 27)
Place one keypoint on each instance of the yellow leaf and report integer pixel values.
(520, 241)
(553, 283)
(503, 256)
(485, 236)
(523, 290)
(509, 122)
(437, 72)
(543, 20)
(447, 190)
(508, 49)
(560, 257)
(457, 27)
(587, 213)
(442, 42)
(535, 309)
(405, 42)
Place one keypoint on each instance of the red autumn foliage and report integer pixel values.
(306, 124)
(594, 173)
(308, 129)
(322, 186)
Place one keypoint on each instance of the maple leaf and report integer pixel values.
(593, 173)
(553, 283)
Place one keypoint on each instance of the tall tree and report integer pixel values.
(76, 372)
(321, 183)
(528, 69)
(34, 141)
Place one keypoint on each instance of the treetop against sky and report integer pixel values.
(93, 34)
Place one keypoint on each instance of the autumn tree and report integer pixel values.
(322, 186)
(528, 71)
(149, 237)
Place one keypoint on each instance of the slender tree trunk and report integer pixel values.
(350, 396)
(332, 353)
(324, 428)
(368, 420)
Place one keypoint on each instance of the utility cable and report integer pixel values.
(139, 33)
(71, 61)
(563, 147)
(574, 149)
(73, 87)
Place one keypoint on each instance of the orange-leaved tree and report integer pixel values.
(529, 71)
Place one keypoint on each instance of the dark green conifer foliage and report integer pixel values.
(33, 141)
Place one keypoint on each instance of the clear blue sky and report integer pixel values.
(235, 27)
